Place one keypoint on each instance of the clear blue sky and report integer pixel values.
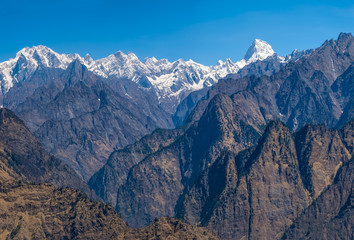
(204, 31)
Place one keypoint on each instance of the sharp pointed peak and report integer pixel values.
(259, 50)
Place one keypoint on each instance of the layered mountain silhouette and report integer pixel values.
(33, 208)
(217, 170)
(169, 82)
(83, 110)
(264, 153)
(81, 120)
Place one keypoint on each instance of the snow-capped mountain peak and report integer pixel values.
(27, 60)
(258, 51)
(171, 81)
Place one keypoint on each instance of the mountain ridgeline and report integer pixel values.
(263, 147)
(82, 110)
(234, 167)
(308, 90)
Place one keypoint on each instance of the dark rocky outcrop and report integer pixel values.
(331, 215)
(258, 192)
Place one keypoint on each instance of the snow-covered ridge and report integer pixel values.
(28, 60)
(171, 81)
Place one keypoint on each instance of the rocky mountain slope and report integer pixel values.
(83, 110)
(44, 212)
(331, 216)
(304, 91)
(81, 120)
(178, 165)
(113, 174)
(24, 158)
(260, 191)
(229, 125)
(224, 127)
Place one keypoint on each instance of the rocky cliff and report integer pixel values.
(215, 174)
(259, 192)
(331, 216)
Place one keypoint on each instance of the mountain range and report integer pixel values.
(36, 201)
(81, 110)
(257, 149)
(234, 137)
(171, 82)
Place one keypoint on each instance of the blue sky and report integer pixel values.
(204, 31)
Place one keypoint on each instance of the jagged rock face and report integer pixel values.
(42, 76)
(44, 212)
(347, 134)
(274, 183)
(114, 173)
(24, 154)
(331, 215)
(321, 152)
(304, 91)
(343, 89)
(177, 165)
(259, 192)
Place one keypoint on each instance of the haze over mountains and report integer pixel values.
(262, 146)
